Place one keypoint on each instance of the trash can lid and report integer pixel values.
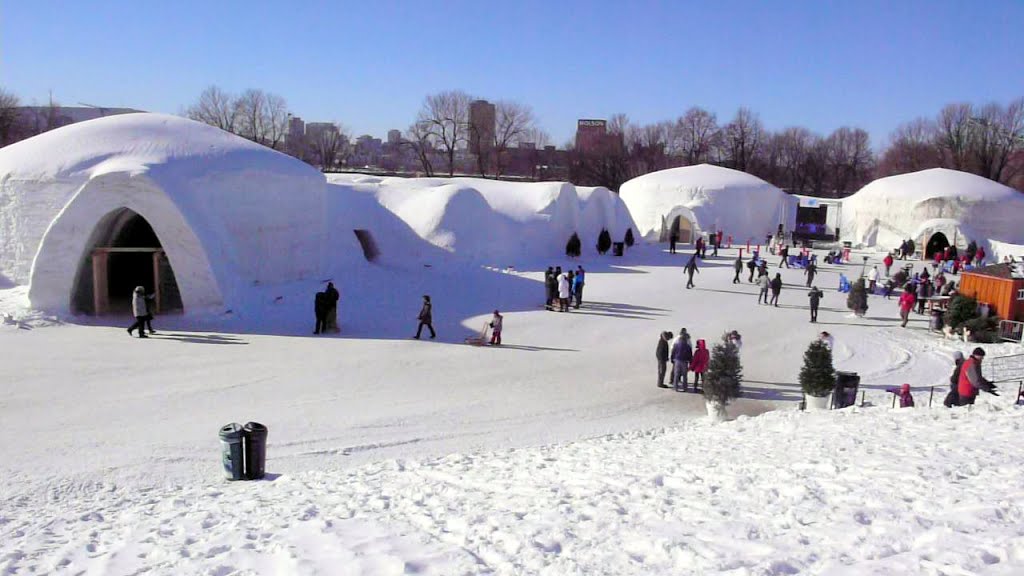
(231, 431)
(255, 427)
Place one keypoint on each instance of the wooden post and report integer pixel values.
(861, 398)
(156, 281)
(894, 401)
(100, 287)
(930, 395)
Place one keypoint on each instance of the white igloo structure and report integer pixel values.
(490, 220)
(156, 200)
(703, 199)
(935, 208)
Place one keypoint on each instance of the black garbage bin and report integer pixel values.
(231, 451)
(936, 322)
(845, 393)
(255, 450)
(618, 248)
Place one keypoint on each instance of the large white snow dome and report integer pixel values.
(934, 208)
(705, 199)
(157, 200)
(491, 220)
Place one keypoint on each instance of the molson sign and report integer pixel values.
(592, 123)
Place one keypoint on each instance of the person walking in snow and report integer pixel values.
(738, 266)
(139, 311)
(495, 325)
(563, 293)
(690, 268)
(903, 392)
(907, 300)
(577, 285)
(815, 298)
(764, 284)
(699, 247)
(887, 261)
(872, 279)
(661, 354)
(810, 271)
(751, 265)
(150, 308)
(426, 318)
(971, 380)
(784, 252)
(673, 238)
(320, 311)
(699, 364)
(682, 354)
(953, 397)
(776, 286)
(979, 256)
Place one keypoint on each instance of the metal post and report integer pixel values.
(930, 395)
(861, 398)
(894, 401)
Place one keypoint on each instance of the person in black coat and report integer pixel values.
(815, 297)
(738, 266)
(776, 286)
(426, 318)
(331, 316)
(550, 287)
(784, 252)
(751, 265)
(690, 268)
(661, 353)
(953, 398)
(320, 310)
(810, 271)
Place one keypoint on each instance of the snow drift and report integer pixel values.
(919, 205)
(707, 198)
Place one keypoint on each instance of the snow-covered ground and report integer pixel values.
(554, 454)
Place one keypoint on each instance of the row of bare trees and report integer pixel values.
(254, 114)
(443, 126)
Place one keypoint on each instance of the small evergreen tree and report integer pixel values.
(629, 241)
(962, 309)
(722, 381)
(604, 241)
(817, 377)
(573, 247)
(857, 299)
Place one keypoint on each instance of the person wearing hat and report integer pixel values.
(139, 311)
(903, 392)
(815, 297)
(426, 318)
(953, 398)
(971, 379)
(495, 325)
(661, 354)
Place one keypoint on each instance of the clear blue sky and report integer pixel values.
(368, 64)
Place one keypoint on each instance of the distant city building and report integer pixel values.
(394, 136)
(315, 130)
(482, 120)
(296, 129)
(592, 136)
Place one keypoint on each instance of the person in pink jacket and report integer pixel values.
(907, 301)
(903, 392)
(699, 364)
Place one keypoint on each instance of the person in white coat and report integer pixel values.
(139, 311)
(872, 279)
(563, 293)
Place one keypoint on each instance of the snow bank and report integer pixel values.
(483, 219)
(711, 198)
(229, 213)
(859, 491)
(961, 206)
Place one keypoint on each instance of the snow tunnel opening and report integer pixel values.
(937, 243)
(123, 252)
(682, 229)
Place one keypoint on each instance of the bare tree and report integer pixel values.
(953, 134)
(8, 116)
(849, 159)
(330, 146)
(444, 115)
(216, 108)
(796, 144)
(996, 134)
(912, 147)
(694, 134)
(648, 146)
(421, 140)
(741, 139)
(513, 122)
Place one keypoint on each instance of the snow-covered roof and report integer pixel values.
(937, 200)
(716, 198)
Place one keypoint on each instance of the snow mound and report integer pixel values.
(479, 219)
(710, 198)
(918, 205)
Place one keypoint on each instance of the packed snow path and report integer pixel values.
(119, 434)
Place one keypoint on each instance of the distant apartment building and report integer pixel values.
(394, 136)
(482, 121)
(592, 137)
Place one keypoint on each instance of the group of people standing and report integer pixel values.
(685, 359)
(562, 288)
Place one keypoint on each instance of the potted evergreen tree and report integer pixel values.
(722, 381)
(857, 299)
(573, 247)
(604, 241)
(629, 240)
(817, 377)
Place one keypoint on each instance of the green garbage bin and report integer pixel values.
(231, 436)
(255, 450)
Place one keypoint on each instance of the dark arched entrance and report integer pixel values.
(682, 229)
(937, 243)
(123, 252)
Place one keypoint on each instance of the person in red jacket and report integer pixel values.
(907, 300)
(888, 263)
(979, 256)
(699, 364)
(971, 379)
